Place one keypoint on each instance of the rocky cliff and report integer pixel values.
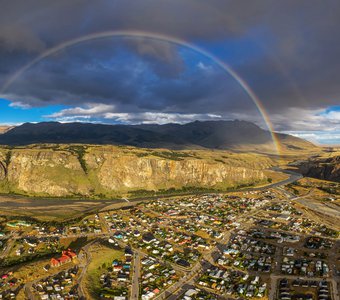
(322, 168)
(110, 170)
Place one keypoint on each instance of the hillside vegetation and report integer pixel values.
(109, 171)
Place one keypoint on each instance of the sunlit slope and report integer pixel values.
(4, 129)
(107, 171)
(94, 160)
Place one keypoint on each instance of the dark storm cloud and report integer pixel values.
(113, 74)
(298, 41)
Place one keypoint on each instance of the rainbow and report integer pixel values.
(153, 36)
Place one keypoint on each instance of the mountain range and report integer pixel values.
(194, 135)
(97, 160)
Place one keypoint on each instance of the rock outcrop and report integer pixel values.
(322, 168)
(108, 170)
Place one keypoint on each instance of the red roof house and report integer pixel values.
(66, 257)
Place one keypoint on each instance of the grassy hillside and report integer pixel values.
(111, 171)
(105, 171)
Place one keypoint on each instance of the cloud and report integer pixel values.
(159, 118)
(307, 120)
(284, 50)
(128, 82)
(318, 137)
(106, 113)
(20, 105)
(14, 38)
(89, 111)
(333, 115)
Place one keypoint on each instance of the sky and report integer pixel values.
(170, 63)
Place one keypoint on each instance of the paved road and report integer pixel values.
(136, 275)
(28, 290)
(178, 288)
(334, 290)
(9, 245)
(276, 270)
(88, 258)
(29, 285)
(320, 207)
(293, 176)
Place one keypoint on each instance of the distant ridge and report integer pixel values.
(198, 134)
(4, 129)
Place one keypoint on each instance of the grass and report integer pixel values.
(79, 151)
(172, 155)
(102, 258)
(73, 243)
(17, 260)
(87, 182)
(8, 159)
(276, 176)
(321, 188)
(32, 271)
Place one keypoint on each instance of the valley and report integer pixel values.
(89, 221)
(170, 247)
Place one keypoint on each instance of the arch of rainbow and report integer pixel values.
(165, 38)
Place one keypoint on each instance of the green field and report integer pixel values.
(102, 258)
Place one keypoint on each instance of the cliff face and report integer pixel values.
(46, 172)
(327, 168)
(153, 173)
(109, 170)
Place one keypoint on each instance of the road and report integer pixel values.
(87, 255)
(29, 285)
(274, 276)
(293, 176)
(319, 207)
(8, 247)
(136, 275)
(180, 287)
(335, 293)
(177, 289)
(276, 270)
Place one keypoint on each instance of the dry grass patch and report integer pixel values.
(101, 259)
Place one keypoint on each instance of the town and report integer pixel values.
(240, 245)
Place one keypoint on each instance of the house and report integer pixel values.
(19, 251)
(122, 277)
(70, 253)
(128, 252)
(118, 235)
(54, 262)
(148, 238)
(117, 268)
(190, 293)
(66, 257)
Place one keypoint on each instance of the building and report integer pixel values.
(66, 257)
